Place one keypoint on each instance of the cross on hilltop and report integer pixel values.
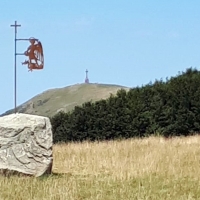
(86, 78)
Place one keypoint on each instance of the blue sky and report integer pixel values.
(124, 42)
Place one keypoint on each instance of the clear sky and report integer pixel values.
(124, 42)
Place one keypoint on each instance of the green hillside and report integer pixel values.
(52, 101)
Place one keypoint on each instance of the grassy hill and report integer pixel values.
(52, 101)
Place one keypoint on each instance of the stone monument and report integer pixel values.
(26, 144)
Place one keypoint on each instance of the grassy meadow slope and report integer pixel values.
(150, 168)
(54, 100)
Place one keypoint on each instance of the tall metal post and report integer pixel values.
(15, 67)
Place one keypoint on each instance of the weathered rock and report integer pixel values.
(26, 144)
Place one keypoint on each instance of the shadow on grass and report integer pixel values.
(52, 175)
(12, 173)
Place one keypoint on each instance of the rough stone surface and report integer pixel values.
(26, 144)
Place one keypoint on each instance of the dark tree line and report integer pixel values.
(170, 108)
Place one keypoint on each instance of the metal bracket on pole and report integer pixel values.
(25, 39)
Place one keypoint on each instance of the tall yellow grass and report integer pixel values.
(151, 168)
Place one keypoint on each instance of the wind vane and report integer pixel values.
(35, 57)
(35, 54)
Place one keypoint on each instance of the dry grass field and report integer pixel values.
(151, 168)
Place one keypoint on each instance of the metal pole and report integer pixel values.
(15, 67)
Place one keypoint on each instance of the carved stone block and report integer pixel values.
(26, 144)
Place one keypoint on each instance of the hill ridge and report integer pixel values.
(51, 101)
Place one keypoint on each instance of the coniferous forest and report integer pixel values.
(167, 108)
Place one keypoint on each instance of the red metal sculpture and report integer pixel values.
(35, 54)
